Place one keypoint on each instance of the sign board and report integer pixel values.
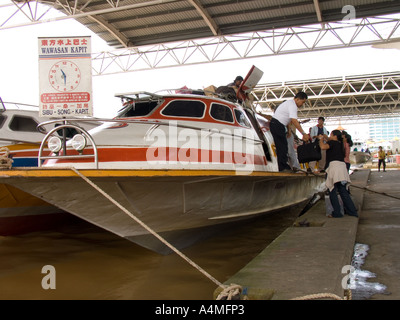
(65, 76)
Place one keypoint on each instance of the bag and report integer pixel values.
(227, 93)
(308, 152)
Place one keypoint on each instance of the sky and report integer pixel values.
(19, 69)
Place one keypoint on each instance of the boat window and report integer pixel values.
(185, 108)
(21, 123)
(221, 112)
(2, 120)
(140, 109)
(241, 118)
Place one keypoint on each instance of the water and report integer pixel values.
(362, 288)
(91, 263)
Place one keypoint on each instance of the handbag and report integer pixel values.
(308, 152)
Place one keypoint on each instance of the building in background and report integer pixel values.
(384, 129)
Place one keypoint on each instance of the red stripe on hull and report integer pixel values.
(168, 154)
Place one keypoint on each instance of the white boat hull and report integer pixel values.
(171, 205)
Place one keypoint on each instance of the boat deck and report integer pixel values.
(308, 257)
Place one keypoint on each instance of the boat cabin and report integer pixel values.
(172, 131)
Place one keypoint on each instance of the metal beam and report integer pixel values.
(318, 10)
(206, 16)
(334, 35)
(347, 98)
(76, 16)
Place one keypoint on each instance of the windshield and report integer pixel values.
(2, 106)
(138, 109)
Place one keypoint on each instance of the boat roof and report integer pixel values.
(138, 95)
(179, 92)
(13, 106)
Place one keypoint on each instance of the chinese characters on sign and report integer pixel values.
(65, 77)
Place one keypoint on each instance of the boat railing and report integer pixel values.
(149, 121)
(4, 105)
(63, 141)
(202, 92)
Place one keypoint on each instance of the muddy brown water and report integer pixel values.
(91, 263)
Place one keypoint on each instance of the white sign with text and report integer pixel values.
(65, 76)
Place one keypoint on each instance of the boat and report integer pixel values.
(180, 163)
(20, 139)
(359, 146)
(358, 155)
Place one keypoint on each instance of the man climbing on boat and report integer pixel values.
(236, 83)
(284, 114)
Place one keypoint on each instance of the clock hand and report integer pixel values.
(64, 76)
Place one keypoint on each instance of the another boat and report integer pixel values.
(359, 146)
(20, 140)
(358, 157)
(179, 163)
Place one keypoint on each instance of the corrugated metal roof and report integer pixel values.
(127, 23)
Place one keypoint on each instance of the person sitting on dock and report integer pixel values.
(337, 175)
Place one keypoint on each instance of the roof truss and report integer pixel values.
(352, 98)
(342, 34)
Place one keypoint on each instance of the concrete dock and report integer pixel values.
(308, 258)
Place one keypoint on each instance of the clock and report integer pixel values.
(64, 76)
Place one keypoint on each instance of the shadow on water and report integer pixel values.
(91, 263)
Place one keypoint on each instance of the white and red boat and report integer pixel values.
(181, 163)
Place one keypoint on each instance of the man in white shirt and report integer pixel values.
(284, 114)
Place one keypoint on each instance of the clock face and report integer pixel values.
(64, 76)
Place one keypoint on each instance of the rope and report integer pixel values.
(322, 296)
(231, 292)
(219, 284)
(354, 186)
(377, 192)
(5, 161)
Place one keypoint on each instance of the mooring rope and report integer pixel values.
(5, 160)
(231, 292)
(377, 192)
(325, 295)
(192, 263)
(354, 186)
